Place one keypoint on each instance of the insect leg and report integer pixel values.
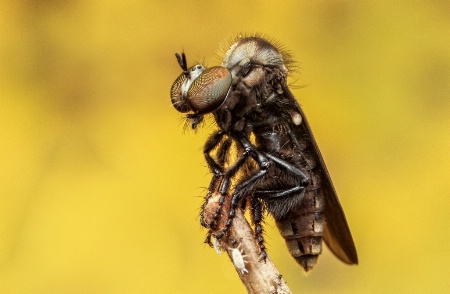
(251, 149)
(217, 168)
(221, 180)
(305, 178)
(257, 217)
(277, 193)
(212, 142)
(225, 184)
(222, 153)
(240, 192)
(245, 188)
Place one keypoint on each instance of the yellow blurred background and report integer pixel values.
(100, 188)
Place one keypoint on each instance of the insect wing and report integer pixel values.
(336, 234)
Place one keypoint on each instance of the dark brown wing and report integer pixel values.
(337, 234)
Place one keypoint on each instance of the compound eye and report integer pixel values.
(179, 91)
(176, 95)
(209, 90)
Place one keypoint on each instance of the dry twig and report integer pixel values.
(257, 276)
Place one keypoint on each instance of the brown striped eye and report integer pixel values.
(209, 90)
(179, 90)
(202, 90)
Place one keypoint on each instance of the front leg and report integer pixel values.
(245, 187)
(219, 187)
(212, 143)
(217, 169)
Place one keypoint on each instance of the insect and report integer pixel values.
(238, 259)
(263, 156)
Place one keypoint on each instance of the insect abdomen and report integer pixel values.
(303, 229)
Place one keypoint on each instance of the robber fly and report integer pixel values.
(278, 167)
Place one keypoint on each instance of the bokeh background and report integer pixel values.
(100, 188)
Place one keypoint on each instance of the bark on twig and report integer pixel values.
(258, 276)
(262, 277)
